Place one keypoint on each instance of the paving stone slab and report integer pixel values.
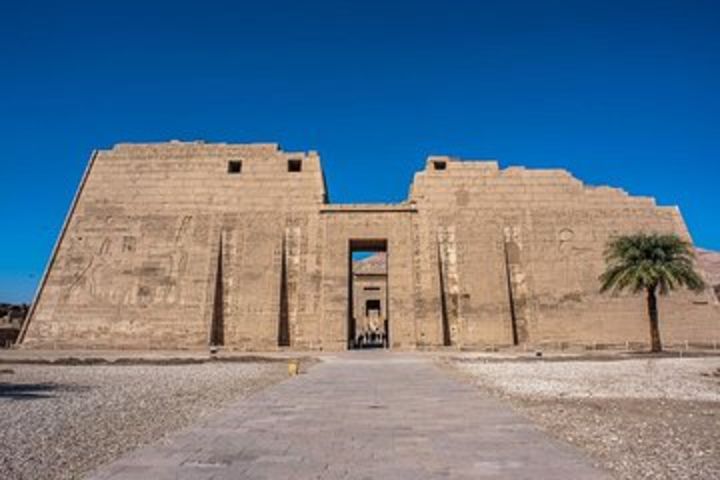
(360, 415)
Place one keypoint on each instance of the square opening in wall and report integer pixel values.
(234, 166)
(439, 165)
(294, 165)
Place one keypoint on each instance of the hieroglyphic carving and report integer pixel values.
(577, 269)
(128, 245)
(182, 229)
(100, 276)
(104, 271)
(160, 275)
(565, 236)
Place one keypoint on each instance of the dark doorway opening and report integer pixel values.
(372, 306)
(368, 312)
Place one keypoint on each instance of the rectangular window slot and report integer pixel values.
(294, 165)
(368, 289)
(234, 166)
(439, 165)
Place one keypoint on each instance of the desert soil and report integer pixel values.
(655, 418)
(60, 422)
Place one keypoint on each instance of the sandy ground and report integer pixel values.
(59, 422)
(655, 418)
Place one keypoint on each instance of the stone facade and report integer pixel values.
(181, 245)
(710, 262)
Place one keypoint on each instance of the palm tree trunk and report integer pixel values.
(655, 342)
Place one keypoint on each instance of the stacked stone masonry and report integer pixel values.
(181, 245)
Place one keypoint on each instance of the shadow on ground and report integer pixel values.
(27, 391)
(34, 391)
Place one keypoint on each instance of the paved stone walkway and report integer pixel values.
(360, 415)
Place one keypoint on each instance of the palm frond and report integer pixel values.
(662, 262)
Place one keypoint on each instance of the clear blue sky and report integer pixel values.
(619, 92)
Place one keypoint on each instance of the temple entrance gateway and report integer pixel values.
(368, 294)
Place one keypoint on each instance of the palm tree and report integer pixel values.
(654, 263)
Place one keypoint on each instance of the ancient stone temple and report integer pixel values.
(182, 245)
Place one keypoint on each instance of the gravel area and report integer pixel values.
(640, 419)
(60, 422)
(667, 378)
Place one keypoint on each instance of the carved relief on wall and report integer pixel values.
(95, 268)
(565, 237)
(128, 245)
(462, 197)
(122, 268)
(578, 273)
(159, 274)
(512, 234)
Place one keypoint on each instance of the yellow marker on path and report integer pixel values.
(293, 367)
